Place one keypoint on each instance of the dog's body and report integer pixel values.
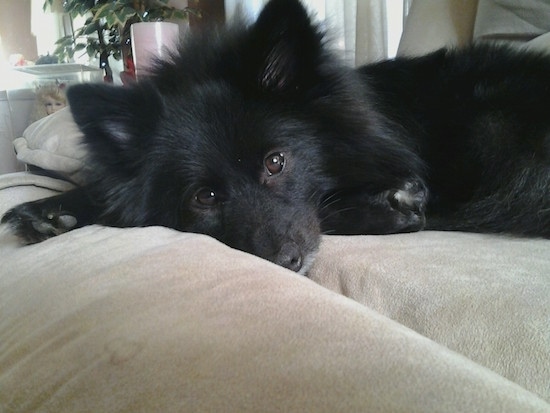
(260, 138)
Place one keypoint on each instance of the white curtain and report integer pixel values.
(360, 30)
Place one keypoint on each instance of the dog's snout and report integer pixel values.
(290, 256)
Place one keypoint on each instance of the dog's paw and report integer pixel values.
(409, 203)
(33, 224)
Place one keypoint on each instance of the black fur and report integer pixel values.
(259, 137)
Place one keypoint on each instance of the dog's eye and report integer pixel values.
(274, 163)
(206, 197)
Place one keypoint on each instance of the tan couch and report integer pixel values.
(149, 319)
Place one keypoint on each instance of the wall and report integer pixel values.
(15, 29)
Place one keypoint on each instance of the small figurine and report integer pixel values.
(49, 99)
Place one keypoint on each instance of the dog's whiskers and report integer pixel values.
(336, 212)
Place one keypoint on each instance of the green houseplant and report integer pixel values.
(106, 30)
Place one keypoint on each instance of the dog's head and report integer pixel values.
(222, 140)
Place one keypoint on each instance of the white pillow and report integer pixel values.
(54, 144)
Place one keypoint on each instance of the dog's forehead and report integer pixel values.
(214, 136)
(214, 117)
(218, 130)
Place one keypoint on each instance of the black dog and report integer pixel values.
(259, 137)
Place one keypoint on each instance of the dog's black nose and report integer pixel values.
(290, 256)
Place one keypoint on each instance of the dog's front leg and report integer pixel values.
(356, 211)
(39, 220)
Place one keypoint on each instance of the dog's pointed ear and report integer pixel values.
(287, 46)
(115, 120)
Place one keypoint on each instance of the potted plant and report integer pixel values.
(106, 30)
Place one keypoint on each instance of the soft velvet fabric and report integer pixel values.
(484, 296)
(149, 319)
